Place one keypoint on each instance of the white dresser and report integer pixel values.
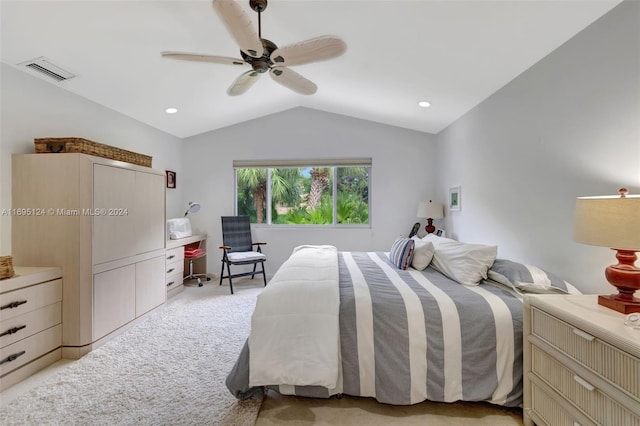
(30, 322)
(581, 363)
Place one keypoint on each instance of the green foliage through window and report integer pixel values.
(304, 195)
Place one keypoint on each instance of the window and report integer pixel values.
(303, 192)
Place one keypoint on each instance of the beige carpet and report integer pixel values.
(295, 411)
(167, 370)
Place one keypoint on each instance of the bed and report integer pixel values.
(355, 323)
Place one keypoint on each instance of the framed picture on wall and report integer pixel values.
(441, 233)
(171, 179)
(455, 199)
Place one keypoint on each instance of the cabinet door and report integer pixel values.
(114, 295)
(150, 284)
(149, 212)
(114, 230)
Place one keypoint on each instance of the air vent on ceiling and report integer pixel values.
(44, 66)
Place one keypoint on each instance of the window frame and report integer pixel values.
(334, 164)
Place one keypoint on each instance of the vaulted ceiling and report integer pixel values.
(453, 54)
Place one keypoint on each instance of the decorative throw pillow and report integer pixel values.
(422, 254)
(529, 279)
(462, 262)
(402, 252)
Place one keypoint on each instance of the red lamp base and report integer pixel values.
(625, 307)
(430, 228)
(626, 278)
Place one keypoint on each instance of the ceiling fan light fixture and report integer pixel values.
(262, 55)
(424, 104)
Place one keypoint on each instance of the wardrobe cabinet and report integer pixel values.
(103, 222)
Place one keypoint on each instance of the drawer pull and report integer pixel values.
(171, 257)
(170, 270)
(170, 283)
(583, 334)
(12, 357)
(13, 305)
(13, 330)
(582, 382)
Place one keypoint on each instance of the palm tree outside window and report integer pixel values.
(322, 195)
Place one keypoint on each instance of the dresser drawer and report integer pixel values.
(174, 280)
(26, 350)
(175, 254)
(549, 410)
(618, 367)
(595, 404)
(18, 302)
(174, 268)
(22, 326)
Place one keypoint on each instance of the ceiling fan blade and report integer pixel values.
(197, 57)
(313, 50)
(240, 27)
(292, 80)
(243, 83)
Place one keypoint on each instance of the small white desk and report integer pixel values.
(199, 264)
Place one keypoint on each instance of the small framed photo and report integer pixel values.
(455, 199)
(440, 233)
(171, 179)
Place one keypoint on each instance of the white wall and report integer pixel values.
(567, 127)
(33, 108)
(403, 174)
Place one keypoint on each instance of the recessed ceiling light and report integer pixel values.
(424, 104)
(171, 110)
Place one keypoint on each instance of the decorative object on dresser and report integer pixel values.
(430, 211)
(30, 322)
(85, 146)
(581, 363)
(6, 267)
(613, 221)
(105, 227)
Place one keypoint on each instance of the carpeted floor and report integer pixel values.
(167, 370)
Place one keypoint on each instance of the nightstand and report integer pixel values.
(581, 363)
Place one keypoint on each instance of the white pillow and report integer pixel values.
(422, 254)
(437, 240)
(465, 263)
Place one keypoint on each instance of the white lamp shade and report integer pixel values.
(609, 221)
(430, 210)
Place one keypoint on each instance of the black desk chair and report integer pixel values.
(238, 249)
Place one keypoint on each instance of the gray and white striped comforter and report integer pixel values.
(408, 336)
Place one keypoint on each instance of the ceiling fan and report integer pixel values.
(262, 54)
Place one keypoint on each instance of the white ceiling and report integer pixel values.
(451, 53)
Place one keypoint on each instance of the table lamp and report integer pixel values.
(430, 211)
(614, 222)
(194, 206)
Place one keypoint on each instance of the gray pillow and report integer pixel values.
(527, 278)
